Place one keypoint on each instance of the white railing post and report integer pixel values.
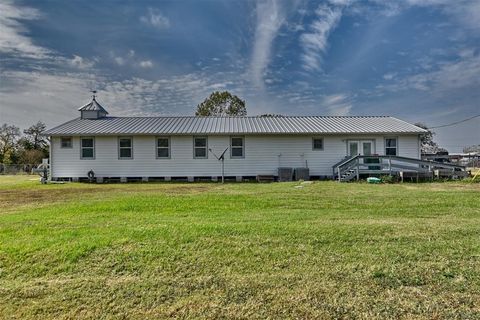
(339, 176)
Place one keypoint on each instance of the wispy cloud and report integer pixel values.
(270, 17)
(12, 33)
(338, 104)
(443, 78)
(315, 42)
(155, 18)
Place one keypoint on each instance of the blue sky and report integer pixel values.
(418, 60)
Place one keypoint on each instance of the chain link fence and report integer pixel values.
(16, 168)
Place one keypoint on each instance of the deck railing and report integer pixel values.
(352, 167)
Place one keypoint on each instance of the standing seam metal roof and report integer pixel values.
(234, 125)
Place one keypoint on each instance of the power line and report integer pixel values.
(454, 123)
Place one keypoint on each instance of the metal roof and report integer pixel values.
(93, 106)
(191, 125)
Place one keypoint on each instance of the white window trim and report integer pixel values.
(157, 147)
(313, 143)
(206, 147)
(236, 147)
(131, 147)
(81, 148)
(71, 143)
(397, 149)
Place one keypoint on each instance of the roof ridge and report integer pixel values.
(257, 116)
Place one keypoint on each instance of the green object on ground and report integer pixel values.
(374, 180)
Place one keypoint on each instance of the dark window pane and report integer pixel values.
(126, 153)
(237, 152)
(391, 151)
(200, 142)
(66, 142)
(391, 142)
(87, 153)
(317, 143)
(88, 143)
(237, 142)
(125, 143)
(200, 152)
(162, 153)
(162, 142)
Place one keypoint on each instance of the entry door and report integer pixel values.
(363, 148)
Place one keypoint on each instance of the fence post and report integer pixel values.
(339, 176)
(390, 165)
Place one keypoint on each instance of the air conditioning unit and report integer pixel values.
(285, 174)
(302, 174)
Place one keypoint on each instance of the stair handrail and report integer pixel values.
(340, 166)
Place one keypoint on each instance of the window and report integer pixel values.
(317, 143)
(391, 147)
(87, 148)
(66, 142)
(237, 147)
(125, 148)
(163, 147)
(200, 147)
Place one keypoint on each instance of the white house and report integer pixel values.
(185, 146)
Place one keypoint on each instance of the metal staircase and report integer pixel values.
(352, 167)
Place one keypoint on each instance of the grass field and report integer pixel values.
(325, 250)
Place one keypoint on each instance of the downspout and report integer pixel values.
(50, 152)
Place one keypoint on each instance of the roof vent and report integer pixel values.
(93, 109)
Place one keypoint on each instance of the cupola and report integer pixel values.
(92, 110)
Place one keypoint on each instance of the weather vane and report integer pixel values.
(94, 93)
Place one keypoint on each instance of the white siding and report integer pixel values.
(263, 155)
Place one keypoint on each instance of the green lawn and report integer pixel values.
(201, 250)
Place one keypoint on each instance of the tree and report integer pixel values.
(426, 140)
(8, 139)
(34, 136)
(32, 156)
(222, 104)
(271, 115)
(472, 149)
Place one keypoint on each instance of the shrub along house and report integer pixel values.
(184, 147)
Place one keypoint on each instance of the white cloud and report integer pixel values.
(80, 63)
(314, 43)
(119, 60)
(338, 104)
(270, 17)
(443, 78)
(146, 64)
(156, 19)
(12, 33)
(389, 76)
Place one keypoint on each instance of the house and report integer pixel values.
(187, 146)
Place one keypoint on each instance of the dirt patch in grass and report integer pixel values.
(14, 200)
